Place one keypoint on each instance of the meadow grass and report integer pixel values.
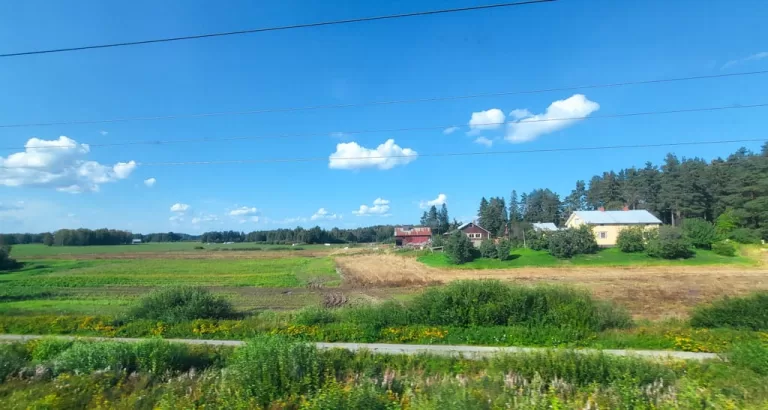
(38, 250)
(523, 257)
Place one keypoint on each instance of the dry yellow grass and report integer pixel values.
(648, 292)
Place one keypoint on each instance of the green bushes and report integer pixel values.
(312, 316)
(752, 355)
(537, 240)
(749, 312)
(488, 249)
(268, 368)
(503, 249)
(566, 243)
(491, 303)
(12, 359)
(724, 248)
(699, 233)
(47, 349)
(177, 304)
(631, 239)
(745, 235)
(6, 262)
(459, 248)
(84, 357)
(669, 243)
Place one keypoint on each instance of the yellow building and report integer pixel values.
(607, 224)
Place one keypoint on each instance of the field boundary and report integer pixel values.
(470, 352)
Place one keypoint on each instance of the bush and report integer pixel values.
(699, 233)
(6, 262)
(47, 349)
(503, 249)
(750, 355)
(271, 367)
(669, 243)
(537, 240)
(566, 243)
(492, 303)
(745, 235)
(178, 304)
(85, 357)
(631, 239)
(159, 357)
(12, 359)
(488, 249)
(312, 316)
(724, 248)
(458, 248)
(749, 312)
(438, 241)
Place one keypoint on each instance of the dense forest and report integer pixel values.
(86, 237)
(379, 233)
(673, 191)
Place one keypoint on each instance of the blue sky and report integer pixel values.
(570, 42)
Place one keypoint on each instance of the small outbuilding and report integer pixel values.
(136, 242)
(476, 233)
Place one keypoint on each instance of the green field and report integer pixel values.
(605, 257)
(38, 250)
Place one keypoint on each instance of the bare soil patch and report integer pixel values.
(648, 292)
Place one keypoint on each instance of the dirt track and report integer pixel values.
(648, 292)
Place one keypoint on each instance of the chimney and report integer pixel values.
(601, 209)
(626, 208)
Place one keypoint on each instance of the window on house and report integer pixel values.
(603, 235)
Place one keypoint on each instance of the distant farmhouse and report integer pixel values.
(413, 236)
(608, 224)
(476, 233)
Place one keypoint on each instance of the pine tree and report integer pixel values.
(514, 208)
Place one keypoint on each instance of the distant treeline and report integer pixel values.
(379, 233)
(86, 237)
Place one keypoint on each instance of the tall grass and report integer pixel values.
(750, 312)
(177, 304)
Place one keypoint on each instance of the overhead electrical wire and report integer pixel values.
(383, 102)
(408, 129)
(276, 28)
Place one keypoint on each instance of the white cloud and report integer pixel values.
(179, 207)
(323, 214)
(450, 130)
(253, 219)
(175, 219)
(485, 120)
(244, 211)
(350, 155)
(204, 218)
(441, 199)
(754, 57)
(59, 164)
(530, 127)
(519, 114)
(102, 132)
(484, 141)
(150, 182)
(380, 207)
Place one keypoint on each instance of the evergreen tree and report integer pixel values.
(444, 223)
(514, 208)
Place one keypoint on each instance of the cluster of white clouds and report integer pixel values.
(203, 218)
(59, 164)
(324, 214)
(245, 214)
(380, 207)
(524, 126)
(179, 211)
(754, 57)
(439, 201)
(351, 155)
(150, 182)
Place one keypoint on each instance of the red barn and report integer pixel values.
(411, 236)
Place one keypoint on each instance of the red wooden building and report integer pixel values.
(412, 236)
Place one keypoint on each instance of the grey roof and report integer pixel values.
(544, 226)
(473, 223)
(618, 217)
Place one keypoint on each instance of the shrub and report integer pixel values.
(750, 355)
(6, 262)
(699, 233)
(312, 316)
(631, 239)
(745, 235)
(488, 249)
(749, 312)
(459, 248)
(159, 357)
(199, 248)
(438, 241)
(47, 349)
(378, 316)
(566, 243)
(270, 367)
(178, 304)
(724, 248)
(12, 359)
(669, 243)
(85, 357)
(537, 240)
(726, 223)
(503, 249)
(492, 303)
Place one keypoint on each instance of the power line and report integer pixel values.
(454, 154)
(384, 102)
(277, 28)
(429, 128)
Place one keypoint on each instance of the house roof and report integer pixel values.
(617, 217)
(544, 226)
(411, 231)
(461, 227)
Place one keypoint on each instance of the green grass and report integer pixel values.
(38, 250)
(60, 306)
(605, 257)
